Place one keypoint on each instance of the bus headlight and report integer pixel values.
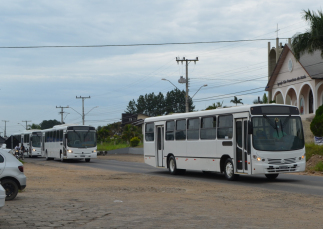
(94, 151)
(34, 150)
(70, 151)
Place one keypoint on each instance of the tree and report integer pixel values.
(264, 98)
(175, 102)
(46, 124)
(130, 131)
(214, 106)
(34, 127)
(235, 100)
(155, 105)
(312, 40)
(109, 131)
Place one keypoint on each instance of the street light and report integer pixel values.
(205, 85)
(21, 125)
(170, 82)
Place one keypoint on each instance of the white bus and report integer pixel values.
(31, 139)
(69, 142)
(256, 139)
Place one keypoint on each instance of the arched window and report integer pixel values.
(301, 105)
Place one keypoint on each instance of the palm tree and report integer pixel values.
(311, 40)
(236, 100)
(214, 106)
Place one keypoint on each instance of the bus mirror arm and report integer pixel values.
(250, 127)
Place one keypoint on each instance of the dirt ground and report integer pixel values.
(63, 195)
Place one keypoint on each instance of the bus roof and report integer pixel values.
(218, 111)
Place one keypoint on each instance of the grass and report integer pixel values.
(312, 149)
(319, 166)
(106, 146)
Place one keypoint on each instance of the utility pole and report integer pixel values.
(83, 105)
(187, 62)
(26, 123)
(5, 127)
(62, 112)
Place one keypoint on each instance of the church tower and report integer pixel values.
(273, 56)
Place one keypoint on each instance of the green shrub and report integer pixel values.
(319, 166)
(134, 141)
(317, 126)
(317, 123)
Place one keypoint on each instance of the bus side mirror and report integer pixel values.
(250, 127)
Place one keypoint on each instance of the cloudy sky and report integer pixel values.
(36, 80)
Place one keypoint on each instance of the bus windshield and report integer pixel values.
(81, 139)
(277, 133)
(35, 141)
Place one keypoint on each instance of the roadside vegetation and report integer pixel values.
(114, 136)
(312, 149)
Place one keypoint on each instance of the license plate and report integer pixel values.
(283, 167)
(82, 156)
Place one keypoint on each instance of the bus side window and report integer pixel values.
(208, 128)
(193, 129)
(180, 130)
(170, 127)
(149, 132)
(225, 124)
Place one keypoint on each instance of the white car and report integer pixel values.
(2, 196)
(12, 177)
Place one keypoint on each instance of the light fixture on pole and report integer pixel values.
(170, 82)
(205, 85)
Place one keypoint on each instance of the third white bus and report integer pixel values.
(254, 139)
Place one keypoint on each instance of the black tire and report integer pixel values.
(11, 188)
(172, 168)
(87, 159)
(229, 170)
(271, 176)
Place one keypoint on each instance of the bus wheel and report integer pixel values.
(47, 158)
(229, 170)
(172, 166)
(271, 176)
(87, 159)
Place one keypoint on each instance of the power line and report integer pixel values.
(131, 45)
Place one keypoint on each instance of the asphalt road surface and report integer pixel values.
(294, 183)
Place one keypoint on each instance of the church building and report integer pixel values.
(298, 83)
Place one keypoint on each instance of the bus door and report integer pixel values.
(160, 145)
(64, 143)
(242, 158)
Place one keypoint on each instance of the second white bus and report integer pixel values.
(256, 139)
(69, 142)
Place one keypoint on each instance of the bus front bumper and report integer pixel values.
(80, 156)
(265, 168)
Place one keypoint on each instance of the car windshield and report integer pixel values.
(81, 139)
(277, 133)
(35, 141)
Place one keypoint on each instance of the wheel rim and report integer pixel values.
(9, 189)
(229, 169)
(172, 165)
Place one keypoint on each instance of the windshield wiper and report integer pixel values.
(270, 123)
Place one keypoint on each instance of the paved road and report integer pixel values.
(285, 182)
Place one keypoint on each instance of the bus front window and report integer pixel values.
(277, 133)
(81, 139)
(35, 141)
